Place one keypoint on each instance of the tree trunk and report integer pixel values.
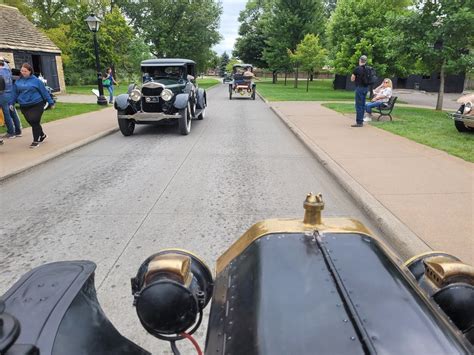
(296, 78)
(439, 103)
(307, 82)
(312, 77)
(274, 77)
(286, 76)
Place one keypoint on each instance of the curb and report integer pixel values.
(398, 235)
(61, 151)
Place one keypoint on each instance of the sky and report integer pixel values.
(229, 26)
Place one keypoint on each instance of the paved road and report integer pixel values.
(120, 199)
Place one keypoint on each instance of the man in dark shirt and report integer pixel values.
(360, 91)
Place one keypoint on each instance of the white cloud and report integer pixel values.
(229, 25)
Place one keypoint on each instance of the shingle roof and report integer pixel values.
(19, 33)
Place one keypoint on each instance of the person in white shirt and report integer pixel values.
(383, 93)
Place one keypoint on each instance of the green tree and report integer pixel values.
(177, 28)
(224, 60)
(310, 55)
(359, 27)
(213, 61)
(439, 35)
(22, 6)
(288, 22)
(115, 38)
(250, 44)
(60, 37)
(230, 65)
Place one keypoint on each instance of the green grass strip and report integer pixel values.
(122, 88)
(61, 110)
(429, 127)
(319, 90)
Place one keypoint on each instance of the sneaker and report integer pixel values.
(9, 136)
(43, 137)
(357, 125)
(34, 145)
(18, 134)
(367, 119)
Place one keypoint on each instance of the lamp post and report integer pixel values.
(93, 22)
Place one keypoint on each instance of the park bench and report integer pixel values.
(386, 108)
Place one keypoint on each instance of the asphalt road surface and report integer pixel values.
(120, 199)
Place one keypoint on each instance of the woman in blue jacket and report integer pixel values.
(31, 94)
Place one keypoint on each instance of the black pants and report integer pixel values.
(33, 117)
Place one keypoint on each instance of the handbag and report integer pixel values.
(106, 82)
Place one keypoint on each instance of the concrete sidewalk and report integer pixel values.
(416, 194)
(63, 136)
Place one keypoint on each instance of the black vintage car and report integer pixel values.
(168, 94)
(287, 286)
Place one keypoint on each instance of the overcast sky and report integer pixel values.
(229, 25)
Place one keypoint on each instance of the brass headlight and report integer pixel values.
(135, 95)
(166, 94)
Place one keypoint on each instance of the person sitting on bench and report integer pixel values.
(383, 93)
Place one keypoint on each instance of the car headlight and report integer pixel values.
(467, 107)
(166, 94)
(135, 95)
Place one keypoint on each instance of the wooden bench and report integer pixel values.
(386, 108)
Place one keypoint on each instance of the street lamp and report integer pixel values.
(93, 22)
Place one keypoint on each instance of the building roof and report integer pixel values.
(166, 61)
(20, 34)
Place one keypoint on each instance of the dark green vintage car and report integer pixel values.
(168, 95)
(286, 286)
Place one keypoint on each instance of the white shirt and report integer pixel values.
(386, 92)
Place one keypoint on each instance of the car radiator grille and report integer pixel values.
(151, 100)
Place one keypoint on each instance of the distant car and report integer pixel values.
(227, 78)
(168, 94)
(242, 85)
(464, 116)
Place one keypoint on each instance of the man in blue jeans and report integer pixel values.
(358, 76)
(11, 118)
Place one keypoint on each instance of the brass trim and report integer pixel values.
(272, 226)
(426, 254)
(442, 270)
(176, 264)
(185, 251)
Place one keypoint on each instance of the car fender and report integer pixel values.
(121, 102)
(201, 98)
(181, 101)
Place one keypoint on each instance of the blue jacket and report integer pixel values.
(7, 75)
(30, 91)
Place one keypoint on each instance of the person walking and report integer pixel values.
(109, 82)
(31, 94)
(359, 77)
(6, 96)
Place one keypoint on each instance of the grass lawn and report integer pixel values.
(425, 126)
(61, 110)
(206, 83)
(123, 87)
(319, 90)
(87, 89)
